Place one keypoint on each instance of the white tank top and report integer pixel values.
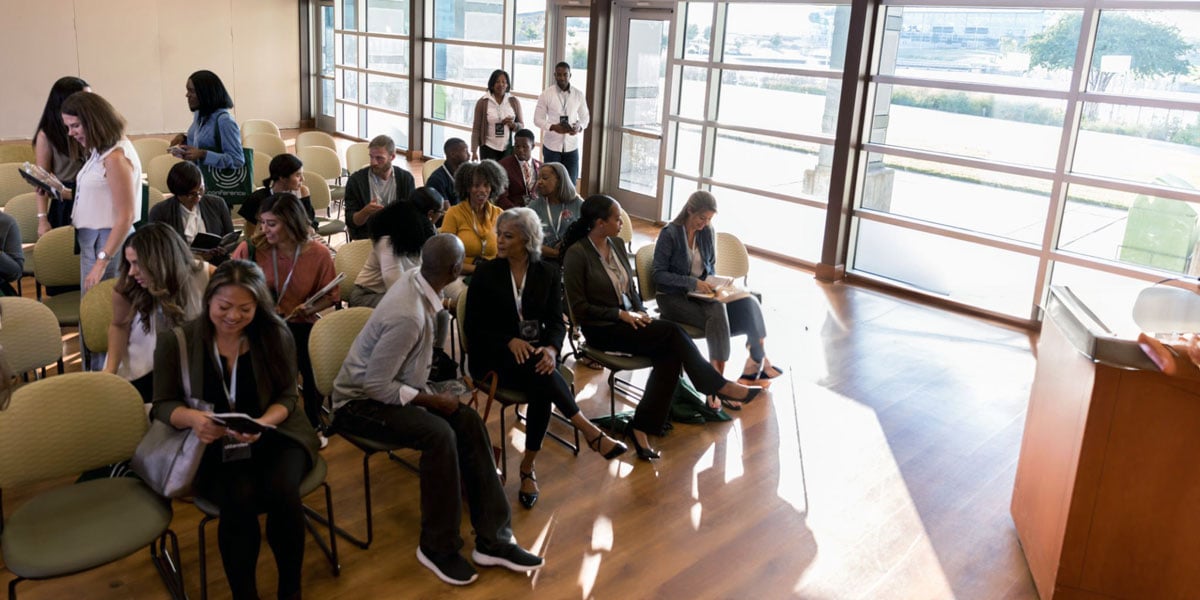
(93, 197)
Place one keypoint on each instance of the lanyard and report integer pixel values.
(275, 270)
(553, 225)
(563, 97)
(519, 290)
(231, 391)
(475, 228)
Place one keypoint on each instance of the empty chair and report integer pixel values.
(315, 138)
(96, 314)
(11, 182)
(626, 233)
(30, 336)
(350, 259)
(265, 142)
(262, 166)
(57, 265)
(23, 208)
(17, 153)
(62, 426)
(732, 259)
(357, 156)
(153, 196)
(429, 167)
(148, 148)
(319, 195)
(320, 160)
(253, 126)
(159, 167)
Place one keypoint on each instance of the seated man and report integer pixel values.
(375, 186)
(522, 170)
(442, 179)
(381, 393)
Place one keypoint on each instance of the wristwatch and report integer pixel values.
(102, 255)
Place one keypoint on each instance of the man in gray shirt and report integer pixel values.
(381, 393)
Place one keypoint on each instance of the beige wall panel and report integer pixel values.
(119, 55)
(32, 57)
(266, 50)
(192, 36)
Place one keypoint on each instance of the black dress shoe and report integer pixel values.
(643, 452)
(617, 449)
(751, 395)
(527, 499)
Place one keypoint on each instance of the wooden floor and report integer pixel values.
(882, 467)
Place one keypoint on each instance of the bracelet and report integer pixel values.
(40, 215)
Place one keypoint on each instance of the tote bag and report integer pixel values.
(230, 185)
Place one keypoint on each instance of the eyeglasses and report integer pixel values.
(197, 193)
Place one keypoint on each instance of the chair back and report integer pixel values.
(265, 142)
(262, 166)
(460, 314)
(252, 126)
(17, 153)
(330, 342)
(68, 424)
(350, 260)
(318, 190)
(153, 196)
(357, 156)
(29, 333)
(429, 167)
(644, 267)
(626, 233)
(157, 169)
(148, 148)
(96, 314)
(320, 160)
(54, 260)
(732, 259)
(23, 209)
(11, 182)
(315, 138)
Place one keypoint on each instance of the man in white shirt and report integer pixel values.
(562, 115)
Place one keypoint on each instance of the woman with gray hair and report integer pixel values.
(557, 205)
(515, 327)
(684, 259)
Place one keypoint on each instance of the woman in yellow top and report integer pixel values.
(474, 220)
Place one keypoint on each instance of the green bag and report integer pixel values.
(688, 406)
(230, 185)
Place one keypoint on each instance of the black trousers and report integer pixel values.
(671, 351)
(487, 153)
(312, 398)
(454, 448)
(268, 481)
(542, 391)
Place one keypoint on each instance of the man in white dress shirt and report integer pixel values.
(562, 114)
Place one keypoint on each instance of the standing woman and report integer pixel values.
(684, 258)
(497, 117)
(286, 177)
(214, 139)
(241, 358)
(557, 206)
(514, 321)
(609, 310)
(160, 286)
(53, 152)
(295, 268)
(108, 190)
(396, 237)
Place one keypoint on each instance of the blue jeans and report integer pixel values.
(91, 242)
(570, 160)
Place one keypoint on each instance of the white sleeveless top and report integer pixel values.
(93, 198)
(139, 360)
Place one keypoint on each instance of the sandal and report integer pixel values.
(528, 499)
(750, 396)
(590, 363)
(617, 449)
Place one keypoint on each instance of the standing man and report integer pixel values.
(381, 393)
(522, 170)
(562, 114)
(375, 186)
(442, 180)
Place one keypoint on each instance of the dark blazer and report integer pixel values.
(358, 195)
(492, 320)
(673, 267)
(589, 290)
(213, 211)
(442, 181)
(517, 192)
(168, 382)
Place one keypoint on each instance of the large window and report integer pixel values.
(992, 167)
(372, 69)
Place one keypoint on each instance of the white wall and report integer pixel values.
(139, 53)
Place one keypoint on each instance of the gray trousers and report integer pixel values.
(719, 322)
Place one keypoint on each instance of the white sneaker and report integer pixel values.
(324, 441)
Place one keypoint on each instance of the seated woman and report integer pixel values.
(159, 286)
(296, 268)
(684, 259)
(409, 224)
(286, 176)
(604, 303)
(514, 321)
(557, 205)
(189, 211)
(240, 358)
(474, 220)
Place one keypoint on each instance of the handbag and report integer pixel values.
(167, 458)
(230, 185)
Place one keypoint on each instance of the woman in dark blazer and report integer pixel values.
(515, 327)
(241, 358)
(684, 260)
(187, 192)
(605, 304)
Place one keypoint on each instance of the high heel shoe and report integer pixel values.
(617, 449)
(643, 452)
(527, 499)
(752, 393)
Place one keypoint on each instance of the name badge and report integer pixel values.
(529, 329)
(499, 129)
(235, 451)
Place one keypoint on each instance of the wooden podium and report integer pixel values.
(1107, 494)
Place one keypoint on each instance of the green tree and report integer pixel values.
(1155, 49)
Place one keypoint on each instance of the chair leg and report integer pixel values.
(168, 563)
(364, 544)
(204, 558)
(504, 446)
(330, 548)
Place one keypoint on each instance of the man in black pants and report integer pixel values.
(381, 393)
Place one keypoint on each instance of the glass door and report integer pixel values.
(325, 44)
(639, 87)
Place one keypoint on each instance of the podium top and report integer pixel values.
(1111, 341)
